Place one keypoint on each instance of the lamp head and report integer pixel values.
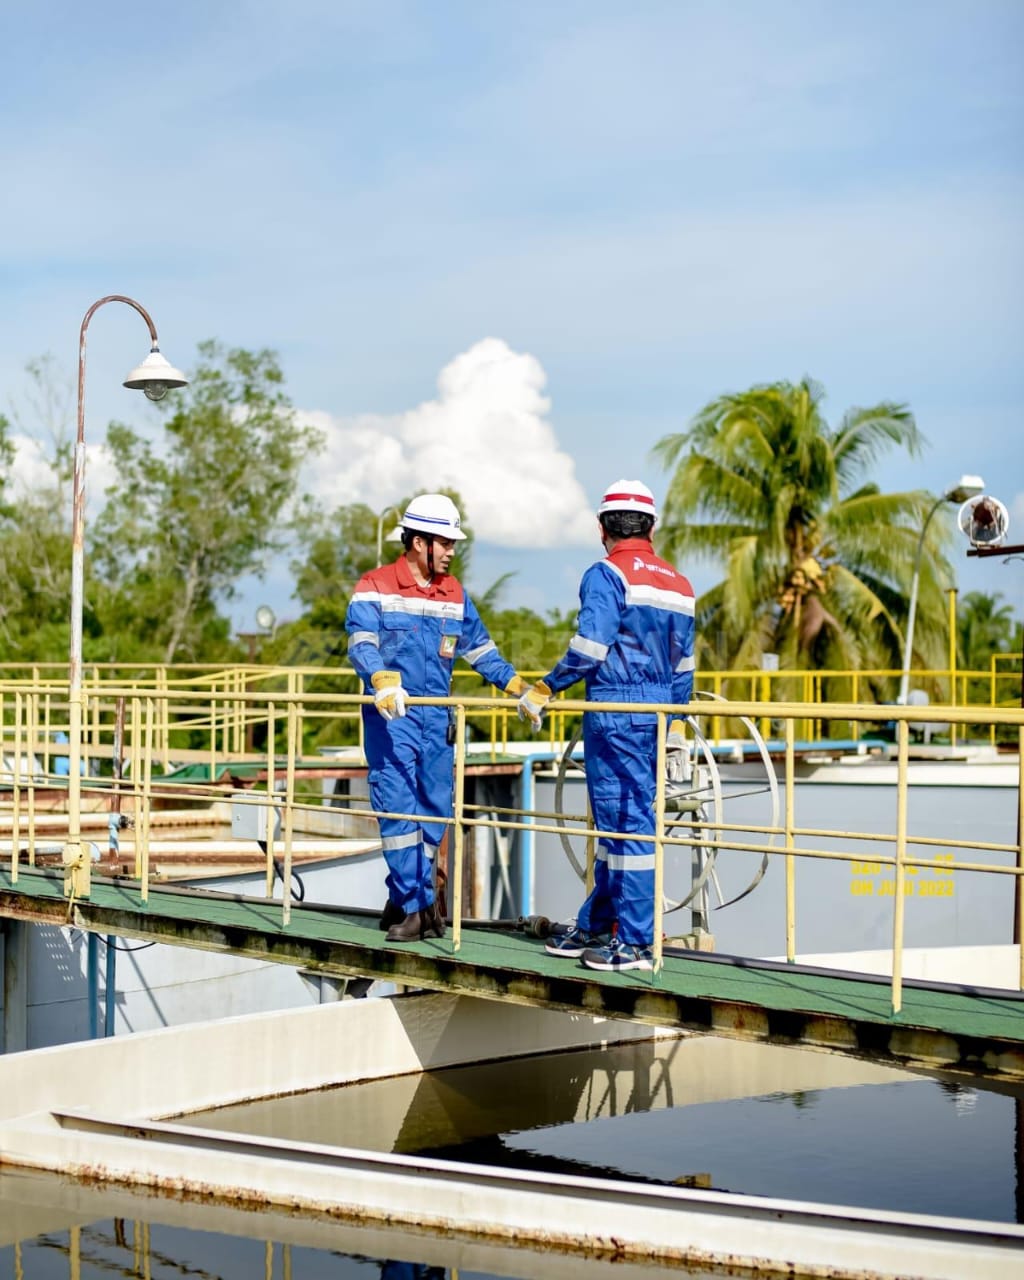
(984, 521)
(155, 377)
(265, 618)
(968, 487)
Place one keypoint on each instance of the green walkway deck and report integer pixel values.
(976, 1031)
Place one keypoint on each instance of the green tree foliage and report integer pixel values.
(338, 551)
(6, 458)
(35, 548)
(533, 644)
(986, 630)
(817, 560)
(984, 625)
(191, 516)
(35, 570)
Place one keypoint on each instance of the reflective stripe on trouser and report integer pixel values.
(620, 753)
(410, 771)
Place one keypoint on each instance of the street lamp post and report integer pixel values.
(967, 488)
(266, 621)
(155, 377)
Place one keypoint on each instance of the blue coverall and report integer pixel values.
(394, 624)
(633, 643)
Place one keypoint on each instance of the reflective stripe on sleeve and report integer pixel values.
(364, 637)
(687, 664)
(474, 655)
(588, 648)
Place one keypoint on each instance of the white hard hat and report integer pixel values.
(434, 513)
(628, 495)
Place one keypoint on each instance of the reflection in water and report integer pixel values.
(138, 1249)
(157, 1238)
(699, 1112)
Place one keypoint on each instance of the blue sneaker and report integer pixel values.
(618, 955)
(573, 941)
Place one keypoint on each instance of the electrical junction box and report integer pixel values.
(251, 819)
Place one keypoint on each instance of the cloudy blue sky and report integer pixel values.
(510, 246)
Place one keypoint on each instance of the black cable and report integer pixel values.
(116, 946)
(299, 889)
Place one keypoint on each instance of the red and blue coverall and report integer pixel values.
(633, 643)
(394, 624)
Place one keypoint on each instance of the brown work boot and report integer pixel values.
(441, 902)
(390, 915)
(432, 920)
(416, 926)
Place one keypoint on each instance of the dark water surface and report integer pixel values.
(746, 1118)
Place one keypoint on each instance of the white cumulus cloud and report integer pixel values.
(486, 434)
(32, 472)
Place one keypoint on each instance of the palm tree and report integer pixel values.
(817, 560)
(985, 626)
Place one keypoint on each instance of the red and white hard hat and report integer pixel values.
(434, 513)
(628, 495)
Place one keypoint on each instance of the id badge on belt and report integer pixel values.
(447, 649)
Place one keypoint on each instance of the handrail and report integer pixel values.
(157, 715)
(997, 685)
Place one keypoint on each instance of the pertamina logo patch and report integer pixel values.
(639, 563)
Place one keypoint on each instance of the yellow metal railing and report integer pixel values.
(156, 716)
(230, 717)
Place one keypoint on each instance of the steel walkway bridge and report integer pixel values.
(971, 1030)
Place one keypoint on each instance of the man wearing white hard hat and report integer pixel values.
(407, 622)
(633, 643)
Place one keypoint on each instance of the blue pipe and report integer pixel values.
(526, 886)
(110, 996)
(92, 973)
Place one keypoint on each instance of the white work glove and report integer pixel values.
(532, 703)
(389, 696)
(677, 758)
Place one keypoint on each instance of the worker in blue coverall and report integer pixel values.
(407, 622)
(634, 643)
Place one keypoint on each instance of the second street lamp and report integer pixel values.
(967, 488)
(155, 377)
(388, 511)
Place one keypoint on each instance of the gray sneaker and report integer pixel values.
(574, 942)
(618, 955)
